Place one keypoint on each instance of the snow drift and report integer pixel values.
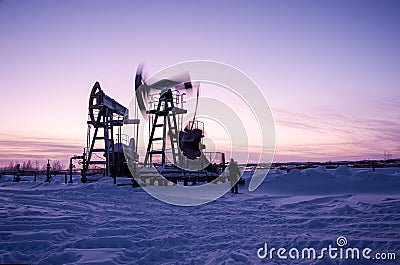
(101, 223)
(339, 181)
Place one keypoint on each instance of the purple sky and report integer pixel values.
(329, 69)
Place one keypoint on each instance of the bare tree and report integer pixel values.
(56, 165)
(11, 166)
(387, 155)
(29, 165)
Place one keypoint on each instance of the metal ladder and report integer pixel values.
(108, 142)
(165, 113)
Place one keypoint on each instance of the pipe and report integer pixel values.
(48, 176)
(71, 165)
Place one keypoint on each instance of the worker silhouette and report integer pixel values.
(234, 175)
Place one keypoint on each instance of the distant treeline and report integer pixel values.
(30, 165)
(352, 164)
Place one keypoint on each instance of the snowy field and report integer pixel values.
(101, 223)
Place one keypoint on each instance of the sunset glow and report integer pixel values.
(328, 70)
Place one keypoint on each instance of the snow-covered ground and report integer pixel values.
(101, 223)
